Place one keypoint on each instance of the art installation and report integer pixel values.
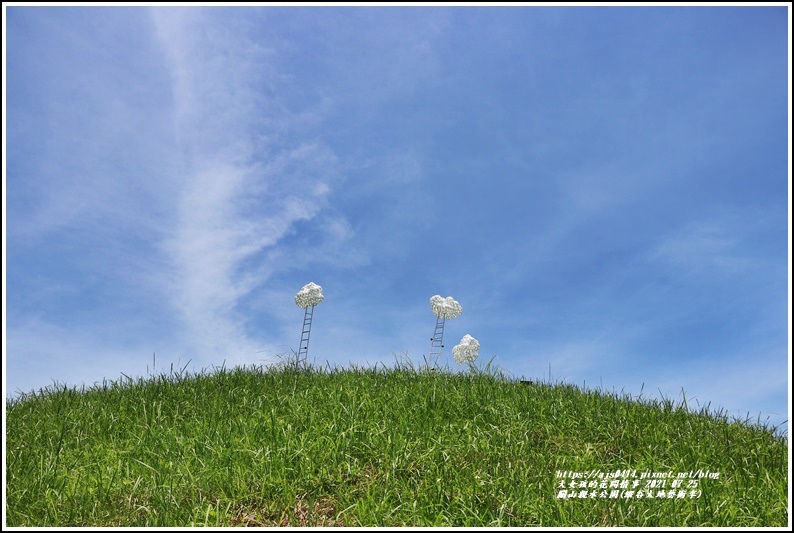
(310, 295)
(467, 351)
(443, 308)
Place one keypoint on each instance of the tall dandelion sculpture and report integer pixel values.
(443, 308)
(467, 351)
(310, 295)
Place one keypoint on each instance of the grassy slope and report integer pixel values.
(371, 447)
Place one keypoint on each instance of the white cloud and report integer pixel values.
(725, 245)
(90, 128)
(244, 185)
(746, 383)
(702, 247)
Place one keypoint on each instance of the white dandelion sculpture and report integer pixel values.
(467, 351)
(443, 308)
(310, 295)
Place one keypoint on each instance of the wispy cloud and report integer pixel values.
(703, 248)
(243, 189)
(88, 195)
(730, 382)
(47, 354)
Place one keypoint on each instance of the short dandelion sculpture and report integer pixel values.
(467, 351)
(310, 295)
(443, 308)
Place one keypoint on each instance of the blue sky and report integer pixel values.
(605, 190)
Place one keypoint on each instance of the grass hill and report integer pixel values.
(380, 447)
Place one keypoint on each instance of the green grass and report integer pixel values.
(374, 447)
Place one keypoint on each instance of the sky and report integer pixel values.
(604, 190)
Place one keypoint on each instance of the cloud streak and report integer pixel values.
(243, 187)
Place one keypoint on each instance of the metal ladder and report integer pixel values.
(307, 328)
(436, 341)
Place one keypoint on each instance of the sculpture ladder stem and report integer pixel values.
(436, 341)
(303, 349)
